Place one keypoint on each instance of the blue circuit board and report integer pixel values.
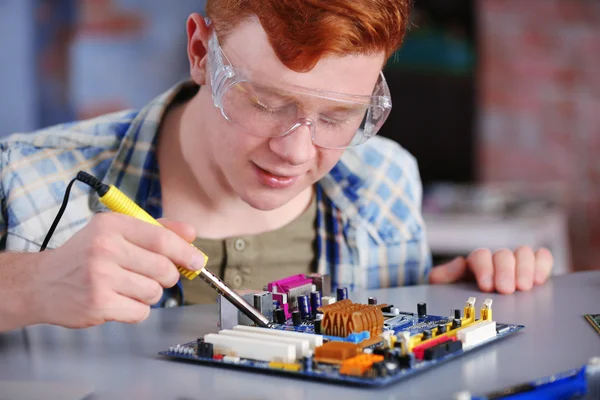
(403, 322)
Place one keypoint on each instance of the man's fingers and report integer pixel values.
(480, 262)
(186, 231)
(137, 287)
(158, 239)
(449, 272)
(504, 267)
(525, 268)
(135, 259)
(543, 265)
(124, 309)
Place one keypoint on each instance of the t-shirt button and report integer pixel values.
(170, 303)
(239, 244)
(236, 280)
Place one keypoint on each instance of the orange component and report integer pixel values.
(344, 317)
(357, 366)
(335, 352)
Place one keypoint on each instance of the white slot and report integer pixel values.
(251, 348)
(302, 344)
(476, 334)
(313, 340)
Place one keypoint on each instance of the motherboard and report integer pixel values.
(324, 337)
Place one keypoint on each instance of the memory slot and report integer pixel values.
(254, 349)
(302, 344)
(313, 340)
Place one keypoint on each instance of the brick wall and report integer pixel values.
(539, 92)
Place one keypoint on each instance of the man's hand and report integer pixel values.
(504, 271)
(114, 269)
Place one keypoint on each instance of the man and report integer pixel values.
(269, 156)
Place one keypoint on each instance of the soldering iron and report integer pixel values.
(118, 202)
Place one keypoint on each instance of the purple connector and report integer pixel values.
(293, 286)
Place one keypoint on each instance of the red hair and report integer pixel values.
(303, 31)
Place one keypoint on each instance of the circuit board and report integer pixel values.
(594, 320)
(335, 340)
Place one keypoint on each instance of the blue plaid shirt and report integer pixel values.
(370, 231)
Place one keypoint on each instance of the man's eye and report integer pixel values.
(330, 121)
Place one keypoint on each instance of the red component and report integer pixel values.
(218, 357)
(420, 350)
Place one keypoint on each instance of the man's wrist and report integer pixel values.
(17, 290)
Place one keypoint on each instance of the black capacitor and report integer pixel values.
(372, 301)
(342, 293)
(317, 326)
(457, 313)
(422, 309)
(296, 318)
(456, 323)
(304, 306)
(280, 316)
(378, 369)
(405, 361)
(315, 302)
(307, 364)
(441, 328)
(205, 350)
(387, 308)
(380, 351)
(426, 335)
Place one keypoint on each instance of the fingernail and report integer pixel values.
(198, 261)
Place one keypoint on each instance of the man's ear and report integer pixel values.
(197, 44)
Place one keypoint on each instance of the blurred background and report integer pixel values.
(499, 100)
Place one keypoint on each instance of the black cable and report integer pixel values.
(89, 180)
(59, 215)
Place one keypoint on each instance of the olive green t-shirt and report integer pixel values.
(250, 262)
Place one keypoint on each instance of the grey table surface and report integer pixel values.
(118, 361)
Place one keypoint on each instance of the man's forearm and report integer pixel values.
(17, 276)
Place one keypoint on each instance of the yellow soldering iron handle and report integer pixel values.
(118, 202)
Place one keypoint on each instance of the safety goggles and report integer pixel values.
(335, 120)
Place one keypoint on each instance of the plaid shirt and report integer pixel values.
(370, 231)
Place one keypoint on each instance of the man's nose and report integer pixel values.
(296, 147)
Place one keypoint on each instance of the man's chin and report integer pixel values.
(265, 201)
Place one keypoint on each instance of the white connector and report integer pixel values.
(302, 344)
(253, 349)
(476, 333)
(313, 340)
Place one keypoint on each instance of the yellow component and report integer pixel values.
(360, 364)
(392, 341)
(469, 311)
(118, 202)
(486, 310)
(285, 366)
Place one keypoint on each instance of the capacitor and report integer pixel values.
(307, 363)
(303, 306)
(426, 335)
(315, 302)
(372, 301)
(317, 326)
(280, 316)
(457, 313)
(342, 293)
(422, 309)
(441, 328)
(456, 323)
(296, 318)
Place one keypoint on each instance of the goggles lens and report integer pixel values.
(335, 120)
